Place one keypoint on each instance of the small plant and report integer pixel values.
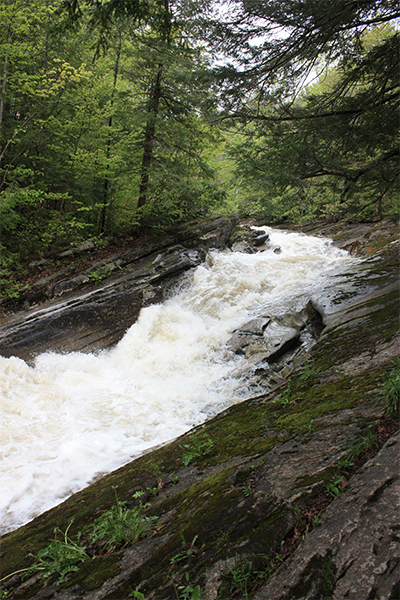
(185, 553)
(195, 449)
(189, 591)
(362, 444)
(12, 289)
(297, 513)
(345, 464)
(137, 594)
(247, 489)
(98, 274)
(174, 479)
(153, 491)
(316, 521)
(391, 391)
(241, 574)
(334, 487)
(121, 525)
(60, 556)
(286, 397)
(309, 371)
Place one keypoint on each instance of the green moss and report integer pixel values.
(93, 573)
(328, 577)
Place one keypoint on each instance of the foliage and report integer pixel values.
(362, 444)
(186, 552)
(309, 371)
(188, 591)
(196, 449)
(391, 390)
(121, 525)
(241, 574)
(328, 149)
(73, 138)
(286, 396)
(334, 488)
(245, 575)
(60, 556)
(111, 116)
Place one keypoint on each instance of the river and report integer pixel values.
(75, 416)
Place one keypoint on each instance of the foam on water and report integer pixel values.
(74, 416)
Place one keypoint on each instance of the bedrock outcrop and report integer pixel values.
(291, 494)
(92, 310)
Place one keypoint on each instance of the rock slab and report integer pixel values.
(355, 552)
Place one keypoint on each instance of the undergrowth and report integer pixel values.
(115, 527)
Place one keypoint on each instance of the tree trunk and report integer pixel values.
(4, 81)
(106, 187)
(153, 106)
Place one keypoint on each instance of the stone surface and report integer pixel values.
(97, 316)
(355, 552)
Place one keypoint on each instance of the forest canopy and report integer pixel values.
(120, 114)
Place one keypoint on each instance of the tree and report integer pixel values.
(344, 136)
(160, 31)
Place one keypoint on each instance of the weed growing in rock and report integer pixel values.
(186, 552)
(137, 594)
(345, 464)
(247, 489)
(195, 449)
(244, 578)
(309, 371)
(188, 591)
(241, 574)
(334, 487)
(286, 396)
(316, 521)
(391, 391)
(121, 525)
(60, 556)
(153, 491)
(362, 444)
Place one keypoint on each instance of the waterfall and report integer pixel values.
(72, 417)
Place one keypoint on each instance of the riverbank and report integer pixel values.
(281, 496)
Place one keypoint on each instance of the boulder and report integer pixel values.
(275, 341)
(243, 247)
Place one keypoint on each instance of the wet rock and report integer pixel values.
(313, 319)
(248, 240)
(276, 340)
(116, 291)
(243, 247)
(243, 498)
(259, 240)
(244, 336)
(355, 552)
(266, 338)
(178, 259)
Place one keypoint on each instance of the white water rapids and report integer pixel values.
(74, 416)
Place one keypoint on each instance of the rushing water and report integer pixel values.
(74, 416)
